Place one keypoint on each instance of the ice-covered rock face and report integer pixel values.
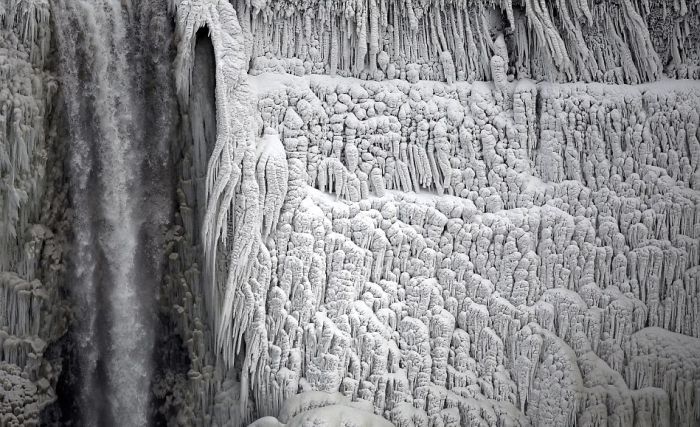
(409, 213)
(32, 313)
(512, 263)
(457, 253)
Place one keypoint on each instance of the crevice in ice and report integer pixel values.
(202, 119)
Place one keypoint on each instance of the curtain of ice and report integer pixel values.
(233, 215)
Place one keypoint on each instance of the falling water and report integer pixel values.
(118, 154)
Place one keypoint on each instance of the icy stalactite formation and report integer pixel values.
(671, 30)
(26, 96)
(669, 361)
(219, 296)
(32, 315)
(231, 185)
(28, 20)
(629, 41)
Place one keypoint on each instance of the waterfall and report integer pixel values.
(120, 111)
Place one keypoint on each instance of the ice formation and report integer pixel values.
(627, 41)
(410, 213)
(507, 288)
(31, 312)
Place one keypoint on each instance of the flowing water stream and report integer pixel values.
(121, 113)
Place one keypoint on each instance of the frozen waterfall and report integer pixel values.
(416, 213)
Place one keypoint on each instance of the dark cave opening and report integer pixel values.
(202, 118)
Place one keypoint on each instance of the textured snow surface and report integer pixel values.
(522, 293)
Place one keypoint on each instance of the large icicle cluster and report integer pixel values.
(219, 298)
(671, 27)
(232, 214)
(26, 94)
(627, 41)
(31, 313)
(25, 25)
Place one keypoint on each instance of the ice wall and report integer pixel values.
(566, 238)
(498, 253)
(217, 244)
(32, 314)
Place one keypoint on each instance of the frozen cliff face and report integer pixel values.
(511, 276)
(32, 314)
(409, 213)
(26, 94)
(439, 250)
